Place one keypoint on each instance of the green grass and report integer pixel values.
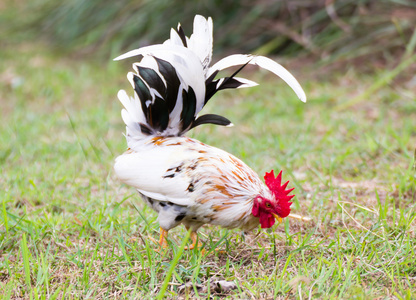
(70, 230)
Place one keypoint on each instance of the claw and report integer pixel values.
(163, 242)
(194, 238)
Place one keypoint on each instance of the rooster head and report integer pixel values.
(269, 210)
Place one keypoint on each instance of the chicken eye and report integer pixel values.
(268, 204)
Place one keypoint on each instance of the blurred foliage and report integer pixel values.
(328, 29)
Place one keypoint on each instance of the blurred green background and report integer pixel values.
(327, 30)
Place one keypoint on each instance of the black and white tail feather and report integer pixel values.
(173, 81)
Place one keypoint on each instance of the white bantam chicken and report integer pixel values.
(184, 180)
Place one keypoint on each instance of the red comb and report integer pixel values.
(281, 194)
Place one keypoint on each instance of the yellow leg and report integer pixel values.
(162, 240)
(194, 238)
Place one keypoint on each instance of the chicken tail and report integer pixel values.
(173, 81)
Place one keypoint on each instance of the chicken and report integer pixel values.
(183, 180)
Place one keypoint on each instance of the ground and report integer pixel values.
(70, 230)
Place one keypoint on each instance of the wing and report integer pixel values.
(157, 172)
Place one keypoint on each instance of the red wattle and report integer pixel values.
(266, 220)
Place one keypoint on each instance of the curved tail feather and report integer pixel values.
(173, 81)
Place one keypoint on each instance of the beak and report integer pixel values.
(279, 219)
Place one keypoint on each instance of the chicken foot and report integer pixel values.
(194, 238)
(163, 242)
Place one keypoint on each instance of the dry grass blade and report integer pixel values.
(299, 217)
(358, 223)
(385, 79)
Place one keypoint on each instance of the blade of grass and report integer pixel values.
(5, 217)
(56, 294)
(9, 289)
(410, 48)
(173, 264)
(26, 265)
